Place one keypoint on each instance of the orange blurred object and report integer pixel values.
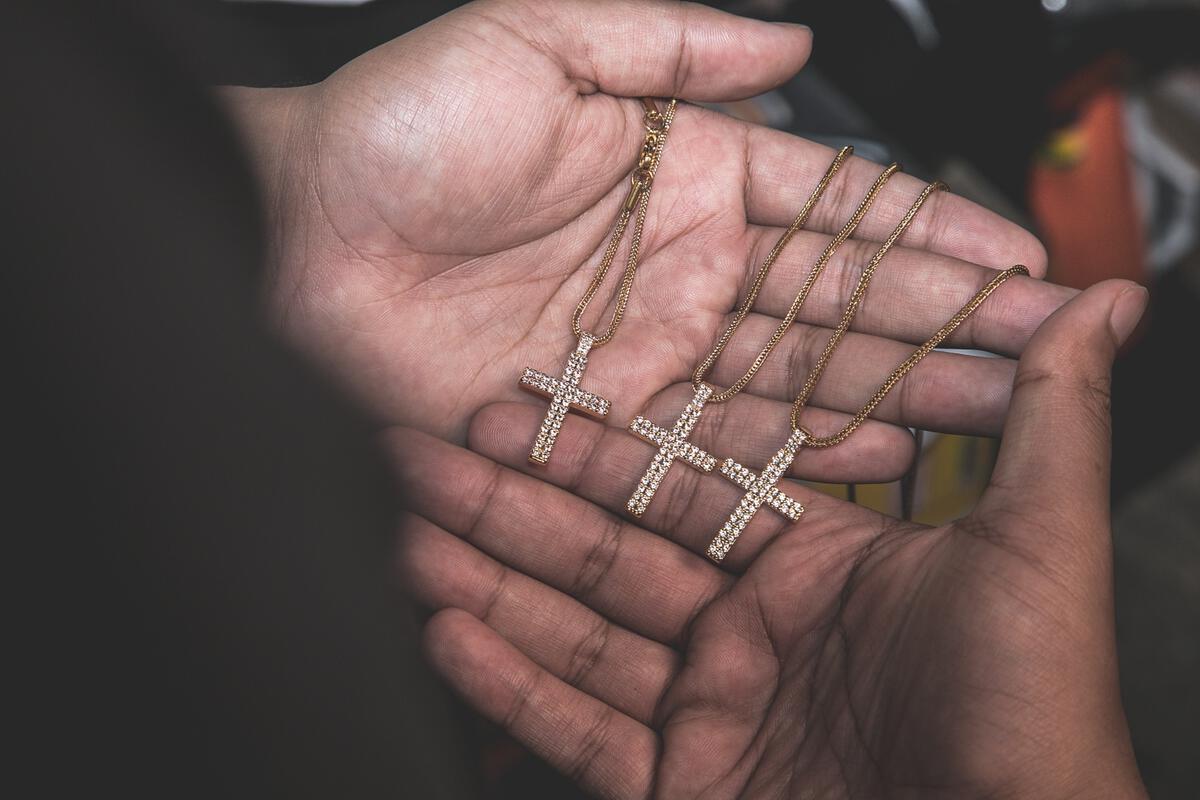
(1081, 193)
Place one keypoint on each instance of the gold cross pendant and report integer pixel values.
(672, 444)
(760, 490)
(565, 395)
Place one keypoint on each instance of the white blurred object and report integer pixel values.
(1166, 177)
(1080, 9)
(920, 21)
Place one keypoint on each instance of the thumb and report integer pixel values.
(635, 48)
(1051, 481)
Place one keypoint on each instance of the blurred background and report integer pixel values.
(1078, 119)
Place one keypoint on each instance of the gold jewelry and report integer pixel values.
(564, 393)
(763, 489)
(673, 444)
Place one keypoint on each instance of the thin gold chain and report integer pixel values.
(797, 302)
(860, 291)
(658, 126)
(908, 363)
(764, 269)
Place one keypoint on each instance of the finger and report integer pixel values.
(783, 169)
(623, 572)
(561, 635)
(604, 464)
(947, 392)
(913, 292)
(636, 48)
(733, 703)
(603, 750)
(1050, 486)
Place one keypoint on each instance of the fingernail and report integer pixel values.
(1127, 310)
(795, 25)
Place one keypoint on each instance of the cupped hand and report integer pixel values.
(846, 655)
(438, 206)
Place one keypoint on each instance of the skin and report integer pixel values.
(438, 206)
(847, 655)
(435, 210)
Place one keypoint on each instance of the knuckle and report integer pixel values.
(836, 202)
(599, 559)
(908, 396)
(523, 691)
(495, 596)
(683, 60)
(591, 745)
(580, 453)
(677, 497)
(810, 340)
(937, 220)
(1099, 390)
(588, 652)
(1091, 392)
(488, 497)
(1033, 379)
(850, 263)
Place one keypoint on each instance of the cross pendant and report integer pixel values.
(565, 395)
(760, 490)
(672, 444)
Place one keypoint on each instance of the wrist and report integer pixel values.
(275, 126)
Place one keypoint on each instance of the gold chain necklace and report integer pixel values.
(674, 444)
(762, 489)
(564, 393)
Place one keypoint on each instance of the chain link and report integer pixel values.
(798, 302)
(908, 363)
(658, 126)
(860, 291)
(703, 368)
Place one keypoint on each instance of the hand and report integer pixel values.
(438, 206)
(847, 655)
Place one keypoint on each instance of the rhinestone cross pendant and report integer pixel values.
(565, 395)
(672, 444)
(760, 490)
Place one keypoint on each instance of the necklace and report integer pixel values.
(674, 444)
(564, 392)
(762, 489)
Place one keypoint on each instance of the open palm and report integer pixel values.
(440, 203)
(847, 655)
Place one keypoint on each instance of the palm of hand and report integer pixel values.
(461, 187)
(846, 655)
(892, 660)
(462, 220)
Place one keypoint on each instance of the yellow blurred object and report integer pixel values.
(954, 471)
(1065, 148)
